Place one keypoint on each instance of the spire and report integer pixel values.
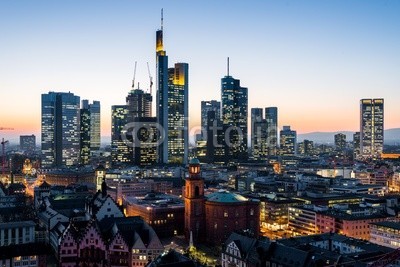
(191, 240)
(162, 18)
(228, 67)
(134, 75)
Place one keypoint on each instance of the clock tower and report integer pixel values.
(194, 203)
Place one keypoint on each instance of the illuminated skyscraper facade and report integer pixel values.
(371, 127)
(95, 126)
(271, 117)
(288, 142)
(139, 104)
(60, 127)
(171, 106)
(206, 106)
(234, 105)
(85, 132)
(121, 152)
(340, 142)
(178, 112)
(258, 135)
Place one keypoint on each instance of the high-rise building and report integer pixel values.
(95, 126)
(145, 144)
(215, 138)
(234, 104)
(60, 129)
(258, 134)
(27, 142)
(172, 106)
(178, 114)
(371, 127)
(85, 138)
(121, 150)
(306, 148)
(206, 106)
(288, 142)
(340, 141)
(271, 117)
(139, 104)
(356, 144)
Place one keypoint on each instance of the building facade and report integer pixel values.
(27, 142)
(371, 127)
(271, 116)
(60, 129)
(234, 105)
(206, 106)
(288, 142)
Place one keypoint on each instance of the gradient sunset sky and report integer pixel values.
(314, 60)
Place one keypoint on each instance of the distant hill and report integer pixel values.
(392, 136)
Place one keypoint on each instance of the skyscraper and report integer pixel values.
(234, 104)
(271, 117)
(288, 142)
(258, 134)
(371, 127)
(178, 112)
(139, 104)
(340, 141)
(162, 93)
(121, 151)
(85, 133)
(206, 106)
(172, 105)
(95, 126)
(27, 142)
(60, 129)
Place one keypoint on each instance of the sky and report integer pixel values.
(313, 59)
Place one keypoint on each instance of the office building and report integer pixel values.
(271, 117)
(206, 106)
(60, 129)
(371, 127)
(288, 142)
(215, 138)
(258, 135)
(356, 144)
(340, 142)
(95, 133)
(172, 106)
(85, 138)
(121, 151)
(145, 144)
(139, 104)
(178, 113)
(234, 104)
(27, 142)
(306, 148)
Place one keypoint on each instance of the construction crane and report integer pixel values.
(150, 77)
(134, 75)
(3, 165)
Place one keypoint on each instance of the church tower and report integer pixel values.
(194, 203)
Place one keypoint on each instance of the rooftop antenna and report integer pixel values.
(134, 75)
(228, 66)
(162, 18)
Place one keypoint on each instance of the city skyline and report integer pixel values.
(313, 61)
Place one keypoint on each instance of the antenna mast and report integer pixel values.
(162, 18)
(134, 75)
(228, 66)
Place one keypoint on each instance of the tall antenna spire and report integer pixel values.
(228, 66)
(162, 18)
(134, 75)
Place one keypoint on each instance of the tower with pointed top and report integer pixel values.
(194, 203)
(172, 105)
(234, 105)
